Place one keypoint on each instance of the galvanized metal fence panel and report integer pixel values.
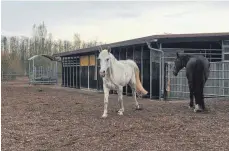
(217, 84)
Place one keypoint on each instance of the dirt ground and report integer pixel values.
(54, 118)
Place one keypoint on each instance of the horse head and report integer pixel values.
(105, 61)
(178, 64)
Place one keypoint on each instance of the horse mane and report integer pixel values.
(112, 57)
(113, 60)
(185, 58)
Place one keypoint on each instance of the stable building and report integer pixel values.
(80, 68)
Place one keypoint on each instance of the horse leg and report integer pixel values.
(120, 100)
(202, 102)
(198, 104)
(106, 95)
(191, 88)
(133, 87)
(198, 96)
(191, 93)
(194, 90)
(202, 97)
(205, 80)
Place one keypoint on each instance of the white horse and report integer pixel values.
(116, 74)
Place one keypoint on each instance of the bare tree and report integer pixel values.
(17, 50)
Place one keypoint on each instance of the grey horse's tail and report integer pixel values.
(139, 86)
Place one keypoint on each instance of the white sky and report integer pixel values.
(114, 21)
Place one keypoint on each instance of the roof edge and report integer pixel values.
(142, 39)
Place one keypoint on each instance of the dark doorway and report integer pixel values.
(155, 80)
(84, 76)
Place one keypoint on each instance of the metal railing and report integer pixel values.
(217, 84)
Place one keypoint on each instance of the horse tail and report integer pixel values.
(199, 73)
(199, 79)
(139, 86)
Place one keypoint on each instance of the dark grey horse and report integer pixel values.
(197, 73)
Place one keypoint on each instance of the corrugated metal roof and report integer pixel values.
(143, 39)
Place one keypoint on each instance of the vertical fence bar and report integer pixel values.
(119, 53)
(88, 73)
(73, 72)
(96, 65)
(64, 71)
(67, 69)
(133, 51)
(33, 71)
(96, 61)
(29, 73)
(163, 74)
(76, 73)
(142, 64)
(77, 82)
(160, 81)
(126, 58)
(150, 73)
(69, 72)
(80, 74)
(56, 71)
(222, 65)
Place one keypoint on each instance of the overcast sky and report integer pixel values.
(114, 21)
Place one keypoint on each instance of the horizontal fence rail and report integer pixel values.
(11, 76)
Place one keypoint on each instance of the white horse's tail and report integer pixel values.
(139, 86)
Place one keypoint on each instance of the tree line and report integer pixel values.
(17, 50)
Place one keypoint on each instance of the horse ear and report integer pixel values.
(109, 49)
(100, 48)
(178, 55)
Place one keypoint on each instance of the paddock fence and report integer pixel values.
(217, 85)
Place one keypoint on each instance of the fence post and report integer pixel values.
(56, 73)
(150, 73)
(163, 73)
(33, 72)
(223, 78)
(142, 64)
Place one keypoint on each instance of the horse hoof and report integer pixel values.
(197, 108)
(104, 115)
(190, 107)
(120, 113)
(138, 107)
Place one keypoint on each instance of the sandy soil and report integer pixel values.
(54, 118)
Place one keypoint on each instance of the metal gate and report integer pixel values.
(156, 73)
(70, 72)
(218, 81)
(216, 86)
